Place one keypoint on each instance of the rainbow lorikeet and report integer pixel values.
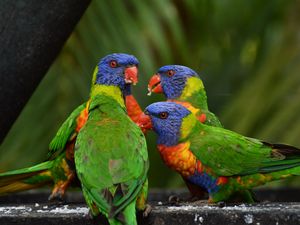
(60, 169)
(111, 156)
(183, 85)
(221, 161)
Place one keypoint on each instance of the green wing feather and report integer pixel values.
(211, 119)
(65, 132)
(228, 153)
(111, 156)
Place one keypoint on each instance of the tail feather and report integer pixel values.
(254, 180)
(125, 217)
(282, 157)
(19, 186)
(115, 222)
(26, 178)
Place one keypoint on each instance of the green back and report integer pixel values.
(228, 153)
(111, 156)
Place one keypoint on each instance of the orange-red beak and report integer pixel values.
(154, 84)
(144, 122)
(131, 75)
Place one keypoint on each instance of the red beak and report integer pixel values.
(154, 84)
(131, 75)
(144, 122)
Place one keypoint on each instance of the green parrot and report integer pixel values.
(111, 157)
(60, 168)
(220, 161)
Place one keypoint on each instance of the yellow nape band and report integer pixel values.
(94, 76)
(193, 84)
(187, 125)
(112, 91)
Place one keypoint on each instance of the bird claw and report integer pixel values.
(147, 210)
(221, 204)
(90, 215)
(173, 199)
(56, 196)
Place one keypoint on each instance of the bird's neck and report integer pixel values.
(110, 90)
(187, 125)
(194, 92)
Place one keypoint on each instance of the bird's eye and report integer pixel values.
(163, 115)
(170, 73)
(113, 63)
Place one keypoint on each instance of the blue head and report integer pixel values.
(166, 119)
(171, 80)
(117, 69)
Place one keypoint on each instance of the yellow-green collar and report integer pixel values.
(193, 84)
(112, 91)
(187, 125)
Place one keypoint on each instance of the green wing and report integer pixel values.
(228, 153)
(211, 119)
(65, 133)
(111, 157)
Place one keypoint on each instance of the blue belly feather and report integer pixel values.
(205, 181)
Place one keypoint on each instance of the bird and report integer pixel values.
(111, 157)
(59, 168)
(218, 160)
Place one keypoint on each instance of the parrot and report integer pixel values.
(218, 160)
(111, 157)
(59, 168)
(183, 85)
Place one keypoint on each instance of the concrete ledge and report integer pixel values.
(75, 212)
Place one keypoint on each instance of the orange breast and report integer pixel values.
(82, 118)
(179, 158)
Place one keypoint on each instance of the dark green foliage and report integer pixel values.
(247, 53)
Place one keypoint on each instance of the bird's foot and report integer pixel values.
(57, 195)
(173, 199)
(221, 204)
(89, 215)
(147, 210)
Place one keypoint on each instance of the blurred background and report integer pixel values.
(246, 52)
